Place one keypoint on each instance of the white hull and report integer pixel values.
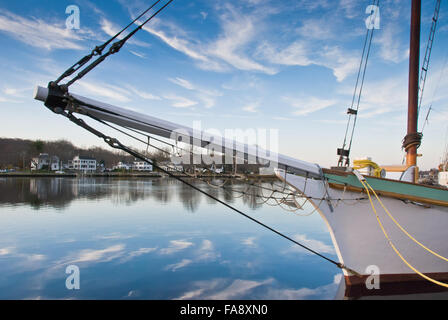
(360, 242)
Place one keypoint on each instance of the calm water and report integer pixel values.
(153, 239)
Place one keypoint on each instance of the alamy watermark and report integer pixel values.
(373, 20)
(73, 21)
(235, 146)
(373, 280)
(73, 281)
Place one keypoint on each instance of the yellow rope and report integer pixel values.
(359, 164)
(402, 229)
(393, 246)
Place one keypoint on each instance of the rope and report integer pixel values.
(359, 164)
(412, 139)
(401, 228)
(392, 244)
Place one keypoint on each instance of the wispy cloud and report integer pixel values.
(17, 92)
(252, 107)
(342, 62)
(391, 47)
(305, 53)
(176, 246)
(223, 289)
(316, 29)
(311, 5)
(316, 245)
(142, 94)
(177, 42)
(110, 29)
(228, 50)
(183, 83)
(6, 251)
(107, 254)
(12, 251)
(138, 253)
(42, 34)
(138, 54)
(141, 251)
(176, 266)
(207, 252)
(114, 93)
(323, 292)
(7, 99)
(180, 102)
(306, 105)
(245, 42)
(207, 96)
(380, 97)
(295, 54)
(250, 241)
(114, 236)
(238, 31)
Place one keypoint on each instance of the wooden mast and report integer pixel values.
(414, 58)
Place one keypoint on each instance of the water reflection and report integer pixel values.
(60, 192)
(132, 239)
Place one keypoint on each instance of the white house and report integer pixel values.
(55, 163)
(40, 162)
(44, 161)
(123, 166)
(168, 166)
(141, 166)
(83, 163)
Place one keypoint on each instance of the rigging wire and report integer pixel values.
(114, 48)
(344, 154)
(99, 49)
(442, 72)
(427, 58)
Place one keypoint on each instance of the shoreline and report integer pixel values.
(122, 175)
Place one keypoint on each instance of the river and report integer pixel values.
(155, 238)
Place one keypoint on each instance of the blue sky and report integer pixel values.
(287, 65)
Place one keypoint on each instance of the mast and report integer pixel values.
(413, 138)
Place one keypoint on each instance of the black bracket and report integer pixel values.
(57, 97)
(352, 111)
(343, 152)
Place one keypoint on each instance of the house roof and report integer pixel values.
(86, 158)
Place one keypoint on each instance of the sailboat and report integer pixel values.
(386, 226)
